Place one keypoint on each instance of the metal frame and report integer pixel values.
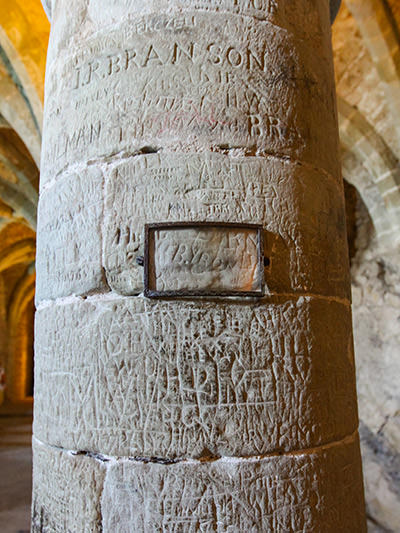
(151, 293)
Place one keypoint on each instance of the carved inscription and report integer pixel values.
(278, 195)
(166, 187)
(230, 84)
(294, 16)
(69, 236)
(170, 379)
(310, 492)
(204, 260)
(188, 415)
(66, 491)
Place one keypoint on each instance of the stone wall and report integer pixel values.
(376, 312)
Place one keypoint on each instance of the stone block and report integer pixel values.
(218, 82)
(300, 208)
(305, 18)
(182, 379)
(66, 491)
(69, 237)
(314, 492)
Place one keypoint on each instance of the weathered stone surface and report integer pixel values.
(292, 15)
(381, 464)
(306, 18)
(69, 237)
(206, 260)
(300, 209)
(312, 492)
(172, 379)
(376, 282)
(66, 491)
(218, 82)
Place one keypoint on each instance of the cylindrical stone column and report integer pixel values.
(184, 414)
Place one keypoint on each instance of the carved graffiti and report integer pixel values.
(204, 259)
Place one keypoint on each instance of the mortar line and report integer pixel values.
(124, 155)
(114, 296)
(348, 439)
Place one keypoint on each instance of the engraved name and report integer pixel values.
(203, 259)
(152, 55)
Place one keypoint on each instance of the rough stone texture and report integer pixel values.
(66, 491)
(197, 111)
(228, 495)
(302, 218)
(306, 18)
(133, 377)
(69, 244)
(238, 495)
(193, 92)
(376, 282)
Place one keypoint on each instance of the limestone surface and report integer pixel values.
(219, 81)
(206, 414)
(227, 495)
(300, 208)
(67, 487)
(376, 275)
(69, 244)
(175, 379)
(239, 495)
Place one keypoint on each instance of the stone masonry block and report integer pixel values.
(312, 492)
(69, 237)
(300, 208)
(218, 82)
(66, 491)
(182, 379)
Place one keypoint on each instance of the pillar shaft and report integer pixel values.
(193, 414)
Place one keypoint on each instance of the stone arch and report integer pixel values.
(376, 174)
(19, 318)
(19, 176)
(380, 35)
(14, 108)
(22, 58)
(22, 251)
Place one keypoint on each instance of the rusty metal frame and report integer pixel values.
(152, 293)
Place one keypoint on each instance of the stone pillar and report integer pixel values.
(218, 413)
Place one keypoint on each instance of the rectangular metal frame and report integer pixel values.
(152, 293)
